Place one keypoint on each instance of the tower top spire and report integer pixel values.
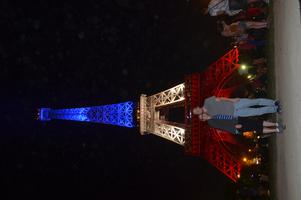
(43, 114)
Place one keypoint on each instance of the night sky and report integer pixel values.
(71, 54)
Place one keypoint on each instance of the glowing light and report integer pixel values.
(43, 114)
(257, 160)
(75, 114)
(245, 159)
(243, 67)
(249, 76)
(238, 175)
(250, 150)
(120, 114)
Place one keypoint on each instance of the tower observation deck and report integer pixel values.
(197, 138)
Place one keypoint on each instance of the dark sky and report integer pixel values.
(71, 53)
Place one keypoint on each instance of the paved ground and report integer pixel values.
(288, 90)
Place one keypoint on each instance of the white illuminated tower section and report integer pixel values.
(153, 121)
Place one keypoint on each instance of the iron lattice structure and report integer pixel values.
(121, 114)
(152, 120)
(217, 147)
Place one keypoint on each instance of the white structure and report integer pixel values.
(155, 122)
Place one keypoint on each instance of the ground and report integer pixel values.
(287, 67)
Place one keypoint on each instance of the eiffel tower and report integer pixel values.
(150, 115)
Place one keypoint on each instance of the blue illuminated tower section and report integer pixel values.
(121, 114)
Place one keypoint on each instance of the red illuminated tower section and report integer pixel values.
(219, 148)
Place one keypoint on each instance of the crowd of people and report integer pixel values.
(245, 23)
(246, 26)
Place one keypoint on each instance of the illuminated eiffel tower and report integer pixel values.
(197, 138)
